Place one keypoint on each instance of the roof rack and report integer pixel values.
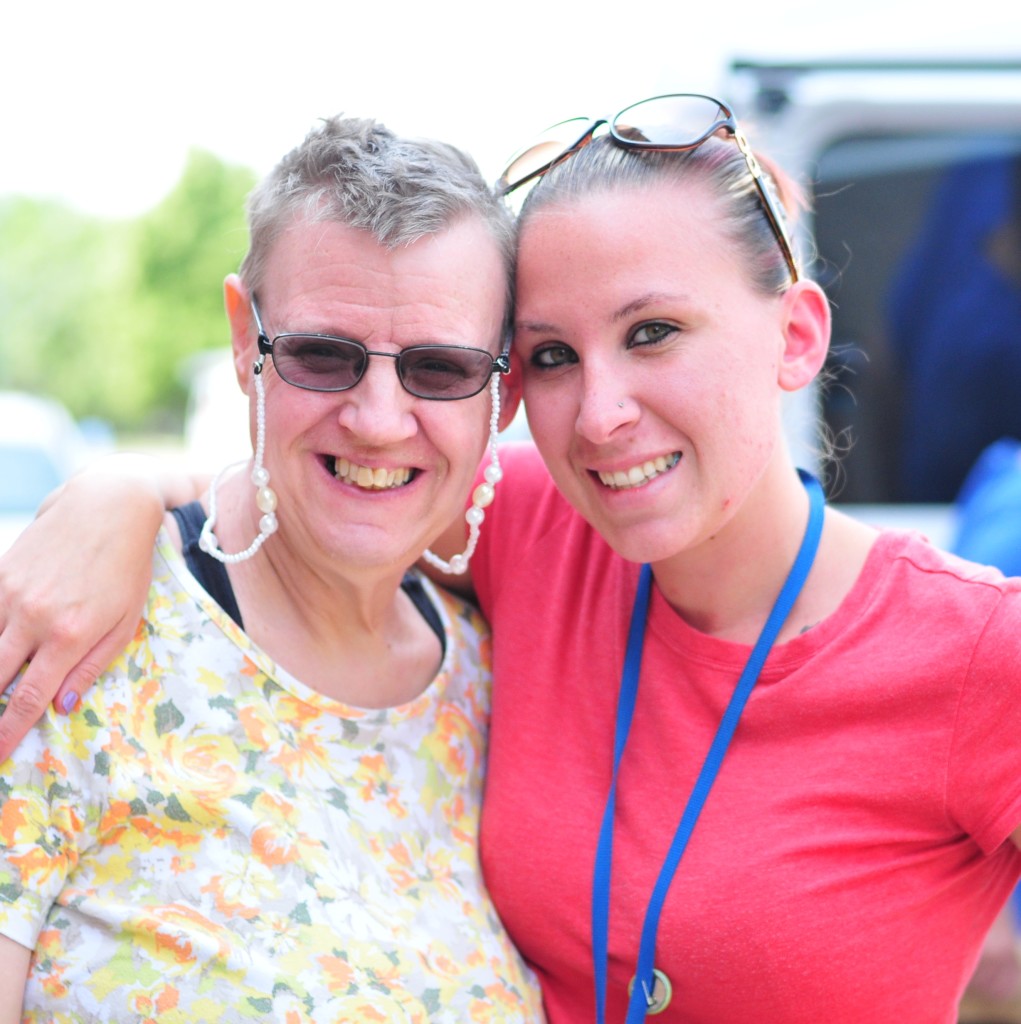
(774, 79)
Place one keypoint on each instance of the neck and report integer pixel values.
(349, 632)
(726, 586)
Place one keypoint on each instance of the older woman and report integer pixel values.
(809, 807)
(269, 805)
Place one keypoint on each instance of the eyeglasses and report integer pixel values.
(321, 362)
(678, 122)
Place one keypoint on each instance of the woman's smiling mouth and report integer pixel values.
(367, 477)
(639, 475)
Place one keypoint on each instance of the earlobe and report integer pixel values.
(510, 392)
(806, 333)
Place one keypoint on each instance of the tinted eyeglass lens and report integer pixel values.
(333, 364)
(318, 364)
(670, 120)
(444, 371)
(543, 151)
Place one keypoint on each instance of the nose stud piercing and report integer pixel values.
(620, 405)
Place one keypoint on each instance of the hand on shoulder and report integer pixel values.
(73, 584)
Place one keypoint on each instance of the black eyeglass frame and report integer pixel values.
(499, 364)
(727, 123)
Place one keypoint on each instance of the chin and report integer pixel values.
(641, 542)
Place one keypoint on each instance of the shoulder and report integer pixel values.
(933, 591)
(461, 619)
(55, 741)
(530, 529)
(913, 556)
(466, 673)
(185, 651)
(527, 502)
(523, 469)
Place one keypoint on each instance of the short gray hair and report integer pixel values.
(355, 171)
(718, 164)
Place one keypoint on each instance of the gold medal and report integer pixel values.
(662, 992)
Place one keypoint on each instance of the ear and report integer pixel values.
(805, 325)
(510, 391)
(243, 334)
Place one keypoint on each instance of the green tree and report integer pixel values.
(103, 314)
(59, 270)
(183, 249)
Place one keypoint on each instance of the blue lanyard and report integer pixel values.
(645, 979)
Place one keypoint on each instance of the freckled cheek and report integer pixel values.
(551, 410)
(548, 438)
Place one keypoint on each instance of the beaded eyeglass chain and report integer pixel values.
(266, 499)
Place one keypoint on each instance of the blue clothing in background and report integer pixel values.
(989, 525)
(989, 509)
(955, 329)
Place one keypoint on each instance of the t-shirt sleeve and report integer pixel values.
(47, 813)
(984, 778)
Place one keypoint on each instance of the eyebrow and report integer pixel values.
(534, 326)
(635, 305)
(648, 299)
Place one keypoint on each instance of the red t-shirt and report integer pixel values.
(853, 851)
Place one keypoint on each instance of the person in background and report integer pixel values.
(954, 309)
(750, 759)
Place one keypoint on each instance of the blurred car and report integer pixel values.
(216, 420)
(41, 445)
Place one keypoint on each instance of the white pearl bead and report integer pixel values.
(260, 476)
(208, 542)
(266, 499)
(483, 495)
(481, 498)
(268, 523)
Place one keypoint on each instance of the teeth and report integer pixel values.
(641, 474)
(378, 479)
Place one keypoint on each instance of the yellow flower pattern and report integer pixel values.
(206, 838)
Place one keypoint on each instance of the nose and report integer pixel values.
(605, 404)
(377, 410)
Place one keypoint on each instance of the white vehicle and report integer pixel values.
(914, 174)
(41, 445)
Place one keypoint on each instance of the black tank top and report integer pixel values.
(212, 574)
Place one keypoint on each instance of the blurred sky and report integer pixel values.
(101, 100)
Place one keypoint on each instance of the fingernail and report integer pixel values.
(70, 702)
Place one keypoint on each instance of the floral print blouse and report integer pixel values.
(206, 838)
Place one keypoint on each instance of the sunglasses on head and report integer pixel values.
(678, 122)
(322, 362)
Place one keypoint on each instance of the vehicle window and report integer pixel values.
(919, 240)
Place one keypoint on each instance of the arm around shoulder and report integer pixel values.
(73, 585)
